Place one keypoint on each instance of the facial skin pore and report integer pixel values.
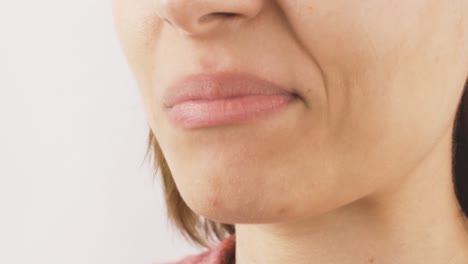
(359, 169)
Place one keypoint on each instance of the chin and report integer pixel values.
(227, 199)
(258, 191)
(237, 203)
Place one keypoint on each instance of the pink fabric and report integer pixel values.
(220, 254)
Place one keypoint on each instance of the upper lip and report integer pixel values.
(211, 86)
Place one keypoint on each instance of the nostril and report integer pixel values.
(218, 15)
(227, 14)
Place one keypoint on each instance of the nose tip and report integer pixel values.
(200, 17)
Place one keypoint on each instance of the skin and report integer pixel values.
(359, 169)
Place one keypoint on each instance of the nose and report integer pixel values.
(201, 17)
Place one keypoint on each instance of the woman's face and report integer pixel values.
(378, 80)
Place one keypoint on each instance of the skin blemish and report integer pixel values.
(213, 201)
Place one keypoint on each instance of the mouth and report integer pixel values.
(209, 100)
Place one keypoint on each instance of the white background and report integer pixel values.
(74, 185)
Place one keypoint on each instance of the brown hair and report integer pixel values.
(192, 226)
(460, 152)
(201, 231)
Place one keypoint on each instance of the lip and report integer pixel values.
(205, 100)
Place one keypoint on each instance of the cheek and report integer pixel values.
(137, 28)
(377, 57)
(384, 65)
(345, 35)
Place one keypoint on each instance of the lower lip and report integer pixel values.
(218, 112)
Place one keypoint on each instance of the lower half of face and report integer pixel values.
(378, 86)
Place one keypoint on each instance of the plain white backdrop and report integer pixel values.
(74, 186)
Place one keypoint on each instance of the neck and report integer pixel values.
(416, 220)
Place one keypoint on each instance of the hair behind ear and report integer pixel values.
(460, 152)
